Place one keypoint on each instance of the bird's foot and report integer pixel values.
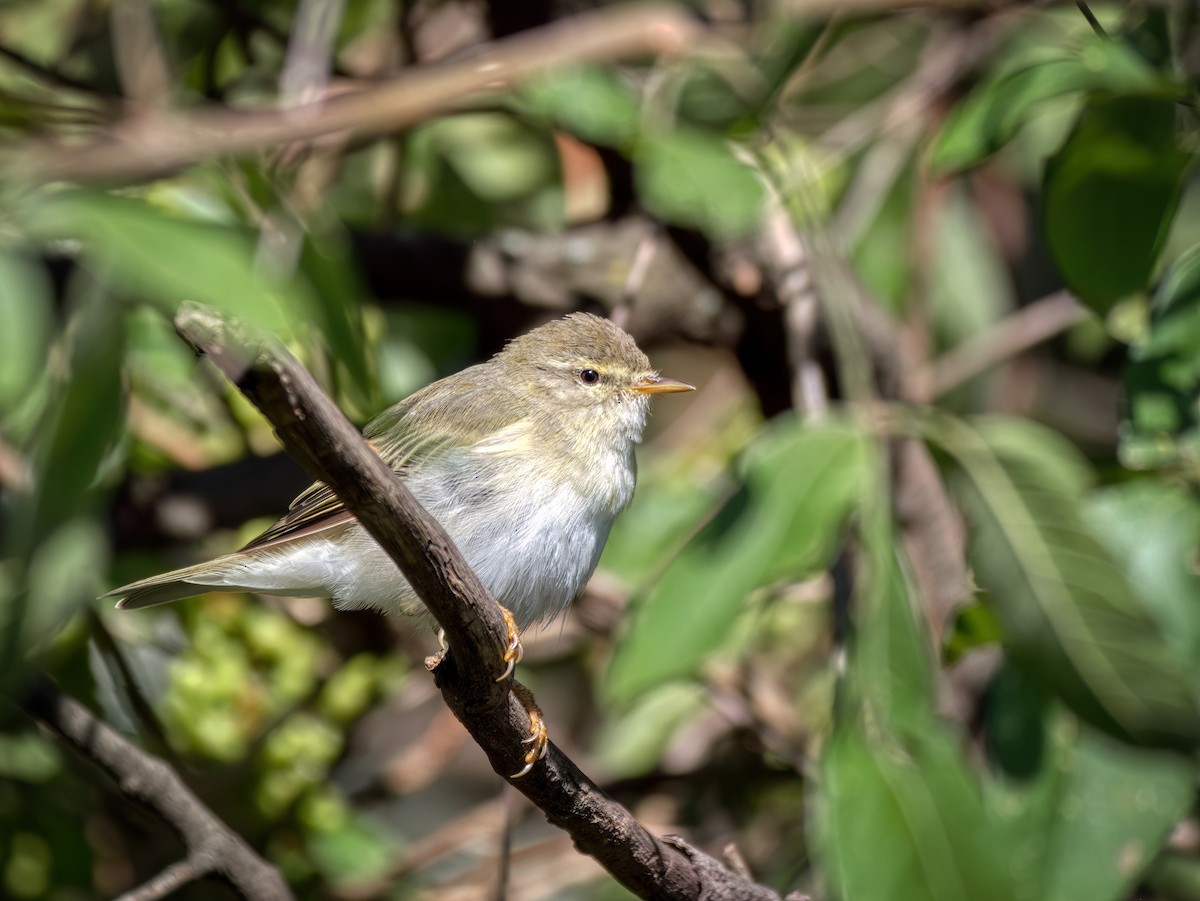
(539, 735)
(514, 653)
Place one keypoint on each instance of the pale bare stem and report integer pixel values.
(309, 55)
(14, 469)
(213, 848)
(643, 257)
(325, 443)
(824, 8)
(140, 61)
(1011, 336)
(171, 141)
(165, 883)
(787, 268)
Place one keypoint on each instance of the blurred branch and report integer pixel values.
(317, 434)
(787, 269)
(1091, 18)
(212, 848)
(139, 57)
(14, 470)
(1013, 335)
(149, 146)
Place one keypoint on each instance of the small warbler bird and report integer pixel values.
(525, 460)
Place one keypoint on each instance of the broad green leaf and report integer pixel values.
(881, 256)
(164, 259)
(663, 514)
(326, 262)
(996, 110)
(1152, 528)
(588, 101)
(799, 485)
(65, 573)
(1110, 194)
(898, 814)
(632, 741)
(82, 424)
(889, 680)
(691, 178)
(1162, 379)
(1092, 815)
(1069, 615)
(969, 285)
(25, 326)
(901, 818)
(56, 550)
(497, 156)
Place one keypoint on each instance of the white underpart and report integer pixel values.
(534, 547)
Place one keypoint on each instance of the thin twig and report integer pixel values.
(54, 76)
(1091, 18)
(213, 849)
(643, 257)
(316, 433)
(138, 52)
(1011, 336)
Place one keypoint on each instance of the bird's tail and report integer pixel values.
(177, 584)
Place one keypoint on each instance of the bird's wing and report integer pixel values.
(407, 436)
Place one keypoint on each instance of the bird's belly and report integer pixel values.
(534, 552)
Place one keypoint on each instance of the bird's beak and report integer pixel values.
(653, 384)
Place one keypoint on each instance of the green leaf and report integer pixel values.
(1152, 529)
(1110, 194)
(589, 101)
(969, 287)
(1094, 813)
(1069, 615)
(82, 425)
(65, 573)
(995, 111)
(1162, 380)
(902, 818)
(498, 157)
(890, 677)
(663, 514)
(800, 483)
(25, 326)
(164, 259)
(691, 178)
(337, 292)
(632, 743)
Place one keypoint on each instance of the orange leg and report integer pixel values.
(514, 653)
(539, 740)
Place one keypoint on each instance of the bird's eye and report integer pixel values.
(589, 376)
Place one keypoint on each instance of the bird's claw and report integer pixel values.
(514, 653)
(539, 738)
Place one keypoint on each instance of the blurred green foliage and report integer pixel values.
(777, 676)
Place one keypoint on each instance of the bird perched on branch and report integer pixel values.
(525, 460)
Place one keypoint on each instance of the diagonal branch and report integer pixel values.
(151, 145)
(316, 433)
(213, 849)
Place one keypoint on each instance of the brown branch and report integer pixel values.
(316, 433)
(213, 849)
(150, 146)
(1013, 335)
